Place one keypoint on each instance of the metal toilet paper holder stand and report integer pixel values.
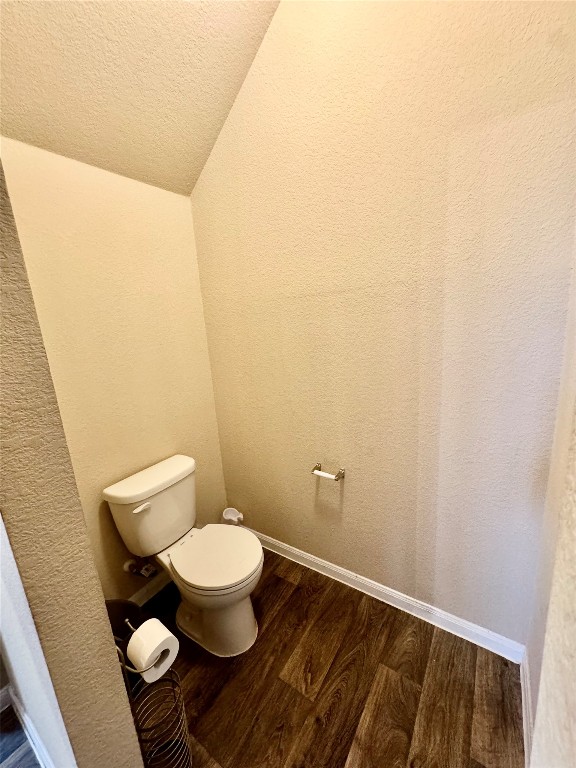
(123, 658)
(159, 715)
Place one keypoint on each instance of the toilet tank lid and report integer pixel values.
(150, 481)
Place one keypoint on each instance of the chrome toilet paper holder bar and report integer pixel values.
(317, 470)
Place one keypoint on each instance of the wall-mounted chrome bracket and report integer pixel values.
(317, 470)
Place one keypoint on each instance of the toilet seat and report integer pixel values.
(216, 557)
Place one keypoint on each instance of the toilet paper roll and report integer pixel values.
(152, 641)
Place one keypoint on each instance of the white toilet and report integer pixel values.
(215, 568)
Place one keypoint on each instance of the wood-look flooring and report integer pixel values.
(337, 679)
(15, 751)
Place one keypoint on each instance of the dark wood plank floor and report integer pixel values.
(337, 679)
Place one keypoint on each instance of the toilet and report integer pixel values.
(215, 568)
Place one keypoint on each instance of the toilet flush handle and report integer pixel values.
(141, 508)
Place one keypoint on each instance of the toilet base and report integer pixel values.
(226, 632)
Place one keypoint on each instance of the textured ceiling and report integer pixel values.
(140, 88)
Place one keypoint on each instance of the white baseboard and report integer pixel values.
(31, 733)
(527, 708)
(509, 649)
(151, 588)
(5, 698)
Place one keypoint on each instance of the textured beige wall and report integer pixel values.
(115, 281)
(28, 674)
(42, 514)
(555, 499)
(138, 88)
(384, 238)
(555, 734)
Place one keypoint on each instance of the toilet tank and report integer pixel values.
(155, 507)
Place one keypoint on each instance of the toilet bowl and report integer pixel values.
(215, 568)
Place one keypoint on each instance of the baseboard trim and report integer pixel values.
(31, 733)
(151, 588)
(5, 698)
(527, 708)
(491, 641)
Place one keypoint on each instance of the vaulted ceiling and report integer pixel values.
(138, 87)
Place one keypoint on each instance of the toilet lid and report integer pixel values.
(217, 557)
